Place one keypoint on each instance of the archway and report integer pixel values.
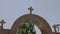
(38, 31)
(37, 20)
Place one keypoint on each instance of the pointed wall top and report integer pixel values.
(30, 9)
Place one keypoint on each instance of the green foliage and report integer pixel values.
(26, 29)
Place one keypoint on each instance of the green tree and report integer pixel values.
(26, 28)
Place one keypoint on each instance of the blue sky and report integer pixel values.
(10, 10)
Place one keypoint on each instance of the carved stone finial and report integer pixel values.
(31, 9)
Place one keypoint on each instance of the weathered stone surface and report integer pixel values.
(42, 24)
(5, 31)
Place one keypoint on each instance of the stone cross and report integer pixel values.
(56, 26)
(2, 22)
(31, 9)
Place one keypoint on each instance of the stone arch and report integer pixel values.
(42, 24)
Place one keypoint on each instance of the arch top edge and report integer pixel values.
(30, 16)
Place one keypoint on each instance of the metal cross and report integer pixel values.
(31, 9)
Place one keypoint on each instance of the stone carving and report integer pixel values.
(32, 18)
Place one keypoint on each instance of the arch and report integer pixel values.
(42, 24)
